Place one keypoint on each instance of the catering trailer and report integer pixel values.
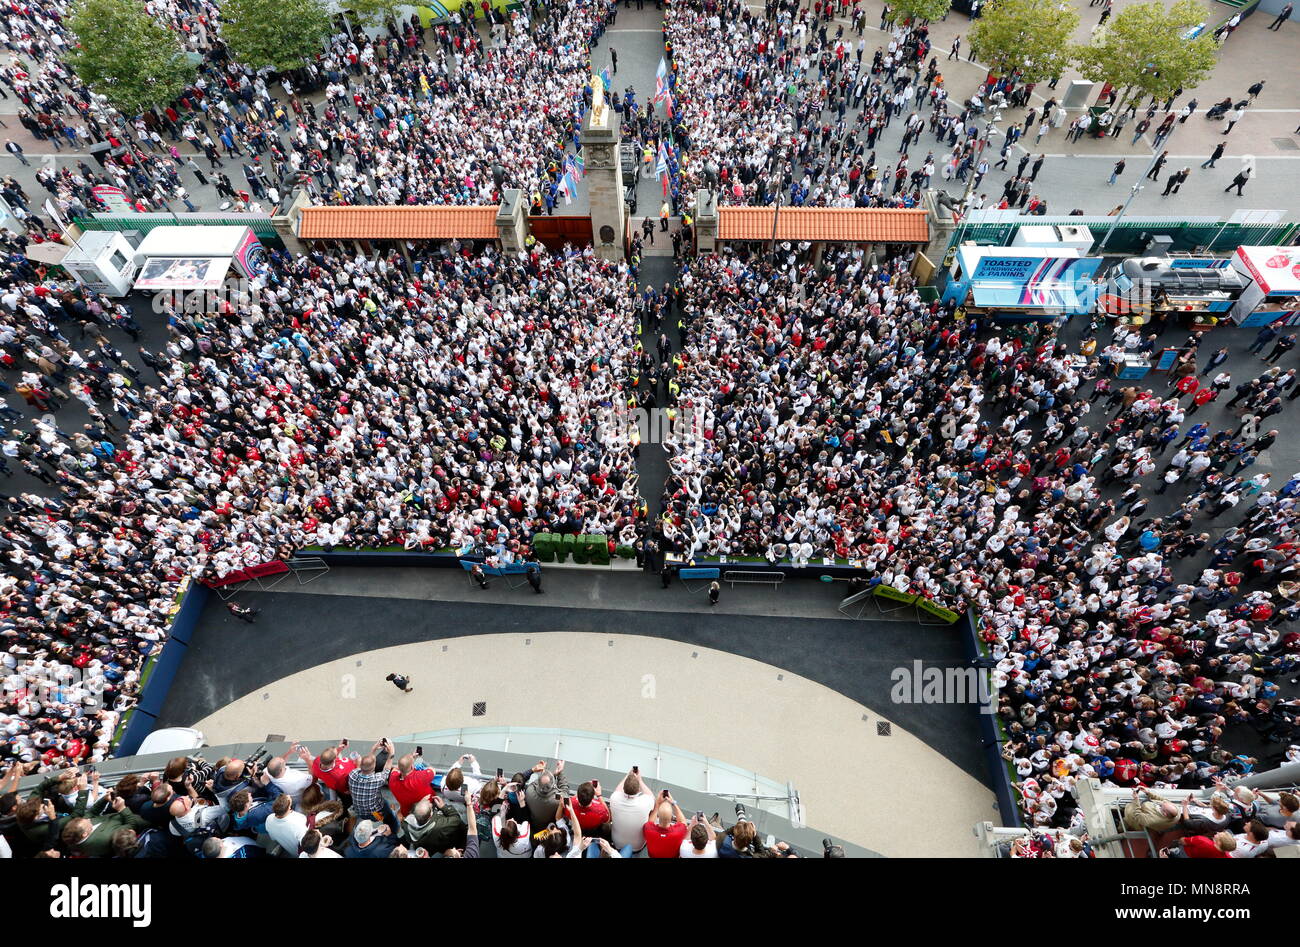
(189, 258)
(1272, 293)
(1021, 283)
(1197, 292)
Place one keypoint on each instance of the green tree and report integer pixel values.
(904, 10)
(1142, 51)
(282, 34)
(123, 54)
(373, 13)
(1032, 37)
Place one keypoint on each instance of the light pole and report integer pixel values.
(1155, 156)
(989, 129)
(1133, 191)
(789, 162)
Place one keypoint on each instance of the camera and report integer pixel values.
(831, 850)
(253, 766)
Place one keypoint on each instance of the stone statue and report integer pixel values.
(598, 107)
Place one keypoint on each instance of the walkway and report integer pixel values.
(779, 725)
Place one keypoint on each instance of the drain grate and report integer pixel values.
(1285, 144)
(882, 729)
(479, 709)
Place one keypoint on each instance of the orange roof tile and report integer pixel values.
(840, 224)
(398, 223)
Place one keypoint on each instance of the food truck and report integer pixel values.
(187, 258)
(1272, 291)
(168, 258)
(1021, 283)
(1196, 291)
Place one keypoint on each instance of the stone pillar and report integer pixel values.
(706, 221)
(603, 173)
(512, 220)
(286, 224)
(942, 227)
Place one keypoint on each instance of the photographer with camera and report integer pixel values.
(235, 774)
(366, 784)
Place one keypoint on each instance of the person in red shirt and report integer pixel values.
(1202, 397)
(408, 784)
(666, 832)
(1202, 846)
(593, 814)
(331, 768)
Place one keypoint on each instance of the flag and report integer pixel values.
(573, 166)
(581, 167)
(566, 188)
(604, 77)
(661, 80)
(662, 166)
(668, 103)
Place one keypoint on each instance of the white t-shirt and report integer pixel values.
(287, 832)
(522, 847)
(323, 852)
(629, 816)
(292, 782)
(688, 850)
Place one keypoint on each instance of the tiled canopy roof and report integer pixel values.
(837, 224)
(398, 223)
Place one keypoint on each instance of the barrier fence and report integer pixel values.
(992, 734)
(161, 670)
(1132, 233)
(259, 223)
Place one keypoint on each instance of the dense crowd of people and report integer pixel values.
(418, 115)
(459, 400)
(345, 804)
(462, 397)
(833, 413)
(795, 103)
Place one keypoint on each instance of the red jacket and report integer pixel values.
(410, 789)
(1202, 846)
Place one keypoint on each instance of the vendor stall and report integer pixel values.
(1197, 292)
(1272, 294)
(1021, 283)
(102, 260)
(187, 258)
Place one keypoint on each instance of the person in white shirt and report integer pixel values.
(700, 842)
(1254, 841)
(287, 780)
(285, 826)
(631, 806)
(1280, 838)
(512, 839)
(315, 845)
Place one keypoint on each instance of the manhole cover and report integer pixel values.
(1286, 144)
(480, 708)
(882, 729)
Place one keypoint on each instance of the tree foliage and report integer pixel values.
(1034, 38)
(1142, 50)
(902, 10)
(282, 34)
(373, 13)
(123, 54)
